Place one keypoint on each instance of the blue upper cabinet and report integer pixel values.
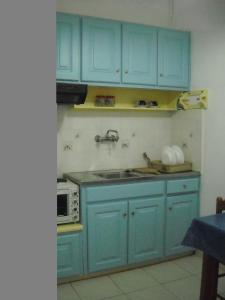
(139, 54)
(173, 58)
(101, 46)
(146, 230)
(121, 54)
(67, 47)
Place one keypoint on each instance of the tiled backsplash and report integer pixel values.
(138, 133)
(186, 132)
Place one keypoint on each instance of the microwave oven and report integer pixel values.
(67, 202)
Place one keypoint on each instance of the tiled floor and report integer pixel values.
(175, 280)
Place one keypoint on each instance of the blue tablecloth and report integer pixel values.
(208, 234)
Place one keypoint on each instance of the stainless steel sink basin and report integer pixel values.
(116, 175)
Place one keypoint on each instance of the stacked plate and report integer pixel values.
(172, 155)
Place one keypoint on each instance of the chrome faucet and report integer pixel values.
(113, 137)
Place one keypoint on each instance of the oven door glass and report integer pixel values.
(62, 205)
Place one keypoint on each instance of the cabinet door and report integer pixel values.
(101, 46)
(139, 54)
(69, 255)
(181, 210)
(107, 235)
(173, 58)
(146, 229)
(67, 47)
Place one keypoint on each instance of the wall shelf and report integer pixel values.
(125, 99)
(121, 108)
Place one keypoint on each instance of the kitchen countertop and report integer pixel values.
(69, 228)
(89, 178)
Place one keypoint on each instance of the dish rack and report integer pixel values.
(159, 166)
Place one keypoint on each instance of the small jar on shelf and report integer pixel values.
(110, 100)
(100, 100)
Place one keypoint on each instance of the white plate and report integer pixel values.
(168, 156)
(179, 154)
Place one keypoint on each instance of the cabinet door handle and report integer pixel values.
(161, 74)
(170, 208)
(124, 215)
(126, 71)
(133, 213)
(118, 70)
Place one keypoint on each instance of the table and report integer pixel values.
(208, 234)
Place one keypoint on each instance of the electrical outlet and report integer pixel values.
(68, 146)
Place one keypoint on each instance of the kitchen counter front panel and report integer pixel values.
(124, 191)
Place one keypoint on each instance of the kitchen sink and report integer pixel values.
(117, 175)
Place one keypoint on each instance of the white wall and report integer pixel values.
(209, 70)
(206, 20)
(155, 12)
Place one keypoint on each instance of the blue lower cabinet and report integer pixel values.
(135, 222)
(146, 228)
(107, 235)
(69, 255)
(181, 209)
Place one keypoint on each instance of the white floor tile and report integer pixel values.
(66, 292)
(153, 293)
(192, 264)
(185, 289)
(133, 280)
(96, 288)
(166, 272)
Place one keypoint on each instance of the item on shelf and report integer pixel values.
(110, 100)
(140, 103)
(152, 103)
(107, 100)
(145, 103)
(100, 100)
